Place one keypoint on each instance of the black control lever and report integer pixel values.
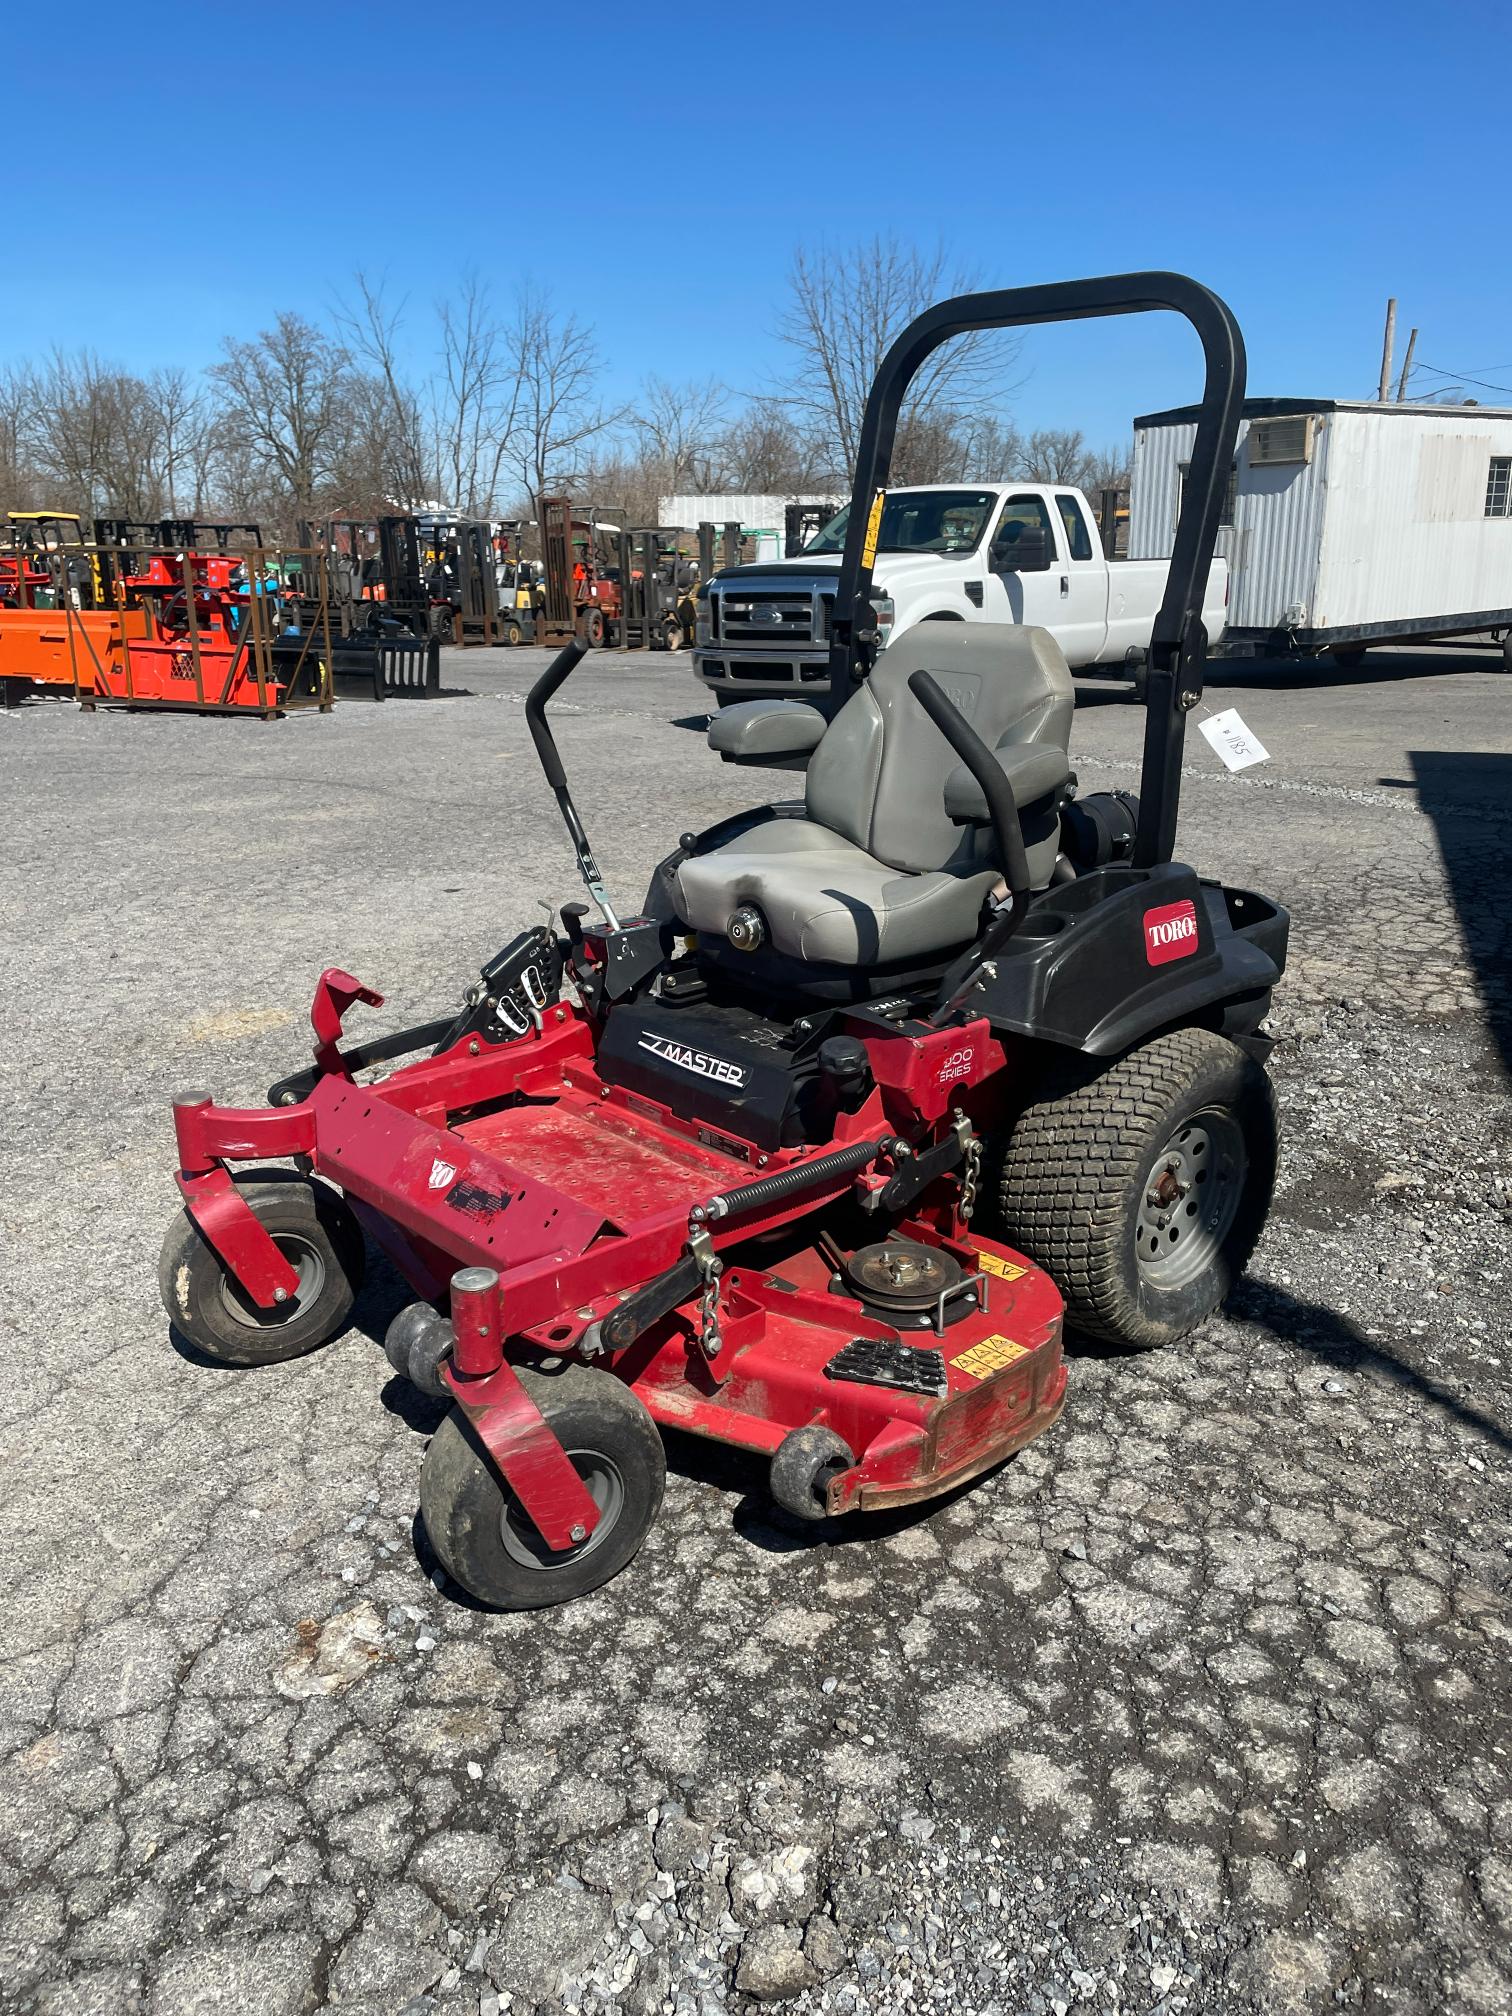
(556, 674)
(1008, 836)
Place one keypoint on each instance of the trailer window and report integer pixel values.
(1230, 492)
(1078, 538)
(1499, 487)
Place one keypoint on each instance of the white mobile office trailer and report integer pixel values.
(1347, 524)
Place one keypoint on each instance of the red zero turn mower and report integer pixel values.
(721, 1166)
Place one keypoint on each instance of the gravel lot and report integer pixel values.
(1200, 1704)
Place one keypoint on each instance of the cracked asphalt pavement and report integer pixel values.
(1200, 1704)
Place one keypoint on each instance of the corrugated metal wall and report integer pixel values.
(1278, 528)
(1158, 453)
(756, 514)
(1271, 547)
(1406, 535)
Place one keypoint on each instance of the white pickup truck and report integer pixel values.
(946, 552)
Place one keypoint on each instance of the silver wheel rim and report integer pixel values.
(307, 1263)
(1190, 1199)
(517, 1531)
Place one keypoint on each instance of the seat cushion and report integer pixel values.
(827, 900)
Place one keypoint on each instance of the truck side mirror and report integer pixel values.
(1029, 553)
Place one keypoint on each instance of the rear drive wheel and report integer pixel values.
(513, 634)
(481, 1533)
(1142, 1189)
(593, 628)
(317, 1234)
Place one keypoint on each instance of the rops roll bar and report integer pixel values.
(1178, 647)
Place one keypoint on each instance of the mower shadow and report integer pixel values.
(1467, 794)
(1340, 1346)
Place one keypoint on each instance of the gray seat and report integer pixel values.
(878, 870)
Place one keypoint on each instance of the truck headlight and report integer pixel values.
(703, 618)
(885, 613)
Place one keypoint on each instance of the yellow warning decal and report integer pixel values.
(1006, 1270)
(990, 1356)
(873, 530)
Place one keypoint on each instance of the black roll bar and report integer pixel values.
(1178, 647)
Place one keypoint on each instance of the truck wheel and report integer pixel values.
(672, 637)
(513, 634)
(1142, 1187)
(1347, 655)
(593, 628)
(1507, 652)
(482, 1535)
(315, 1231)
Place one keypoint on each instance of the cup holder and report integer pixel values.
(1042, 924)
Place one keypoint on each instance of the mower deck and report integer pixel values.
(576, 1192)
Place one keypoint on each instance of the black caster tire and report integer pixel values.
(482, 1536)
(513, 634)
(316, 1232)
(1141, 1186)
(417, 1344)
(802, 1470)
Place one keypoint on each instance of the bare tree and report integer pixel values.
(18, 473)
(287, 401)
(554, 367)
(844, 309)
(1054, 455)
(95, 435)
(180, 411)
(371, 329)
(1104, 469)
(765, 453)
(678, 429)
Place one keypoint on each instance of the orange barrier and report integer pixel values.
(64, 647)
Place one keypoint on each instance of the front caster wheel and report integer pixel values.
(317, 1234)
(806, 1463)
(1142, 1186)
(483, 1536)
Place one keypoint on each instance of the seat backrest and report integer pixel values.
(878, 776)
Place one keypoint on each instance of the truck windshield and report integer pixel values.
(919, 521)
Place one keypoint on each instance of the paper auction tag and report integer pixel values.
(1235, 744)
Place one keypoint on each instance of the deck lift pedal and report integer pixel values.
(724, 1165)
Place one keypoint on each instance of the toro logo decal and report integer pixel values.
(1170, 933)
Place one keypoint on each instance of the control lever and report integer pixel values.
(557, 672)
(1002, 808)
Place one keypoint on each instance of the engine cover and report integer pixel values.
(726, 1065)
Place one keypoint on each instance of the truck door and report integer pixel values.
(1082, 583)
(1014, 597)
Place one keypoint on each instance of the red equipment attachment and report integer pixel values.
(589, 1220)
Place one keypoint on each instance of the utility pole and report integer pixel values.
(1406, 368)
(1386, 349)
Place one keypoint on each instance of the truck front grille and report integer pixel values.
(753, 618)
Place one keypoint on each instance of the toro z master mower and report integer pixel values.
(723, 1166)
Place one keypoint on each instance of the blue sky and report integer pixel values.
(655, 168)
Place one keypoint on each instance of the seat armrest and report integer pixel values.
(1033, 769)
(771, 733)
